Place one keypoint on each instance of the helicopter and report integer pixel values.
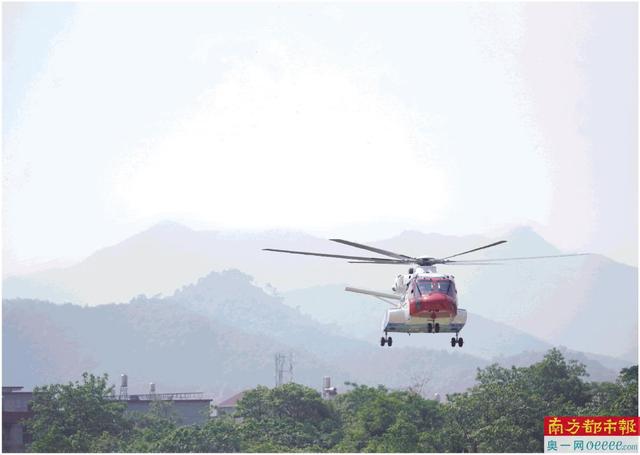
(423, 300)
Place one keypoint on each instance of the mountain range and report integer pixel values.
(219, 335)
(586, 303)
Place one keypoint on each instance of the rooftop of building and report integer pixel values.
(231, 401)
(11, 388)
(173, 396)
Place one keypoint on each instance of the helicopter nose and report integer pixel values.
(433, 306)
(438, 303)
(436, 299)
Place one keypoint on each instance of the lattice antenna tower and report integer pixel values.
(291, 367)
(284, 368)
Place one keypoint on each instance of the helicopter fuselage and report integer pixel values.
(430, 304)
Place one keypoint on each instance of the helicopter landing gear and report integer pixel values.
(455, 340)
(386, 340)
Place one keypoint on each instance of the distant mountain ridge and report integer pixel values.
(217, 335)
(560, 301)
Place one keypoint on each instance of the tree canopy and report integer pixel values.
(75, 417)
(503, 412)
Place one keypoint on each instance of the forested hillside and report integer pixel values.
(220, 334)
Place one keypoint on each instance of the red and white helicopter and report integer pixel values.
(423, 301)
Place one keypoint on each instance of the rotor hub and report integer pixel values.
(426, 261)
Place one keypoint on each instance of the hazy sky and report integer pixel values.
(336, 119)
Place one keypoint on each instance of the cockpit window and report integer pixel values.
(425, 286)
(428, 286)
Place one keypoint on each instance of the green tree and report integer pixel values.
(76, 417)
(148, 428)
(619, 398)
(217, 435)
(377, 420)
(221, 435)
(558, 380)
(627, 402)
(181, 440)
(401, 436)
(603, 395)
(291, 417)
(504, 412)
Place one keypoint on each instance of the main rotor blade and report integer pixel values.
(373, 249)
(469, 263)
(475, 249)
(384, 261)
(518, 259)
(307, 253)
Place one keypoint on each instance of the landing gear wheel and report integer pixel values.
(429, 328)
(437, 327)
(383, 340)
(460, 342)
(389, 341)
(453, 342)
